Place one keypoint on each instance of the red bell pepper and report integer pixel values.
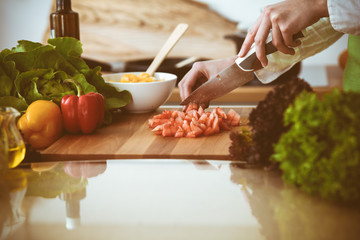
(82, 113)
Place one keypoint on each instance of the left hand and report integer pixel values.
(202, 72)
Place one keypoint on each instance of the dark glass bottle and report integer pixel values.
(64, 22)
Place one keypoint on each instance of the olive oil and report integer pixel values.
(11, 142)
(16, 155)
(64, 22)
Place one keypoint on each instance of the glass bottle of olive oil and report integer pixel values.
(11, 140)
(64, 22)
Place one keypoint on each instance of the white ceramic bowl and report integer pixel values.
(146, 96)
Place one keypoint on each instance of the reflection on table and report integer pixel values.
(164, 199)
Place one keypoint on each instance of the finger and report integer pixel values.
(260, 41)
(277, 40)
(289, 39)
(250, 37)
(183, 84)
(205, 105)
(180, 87)
(188, 82)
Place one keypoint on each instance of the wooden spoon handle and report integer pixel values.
(166, 48)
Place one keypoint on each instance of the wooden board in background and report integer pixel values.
(129, 137)
(113, 30)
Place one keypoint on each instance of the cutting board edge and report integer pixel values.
(79, 157)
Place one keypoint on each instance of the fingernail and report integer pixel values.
(241, 53)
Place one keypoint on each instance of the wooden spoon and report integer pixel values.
(166, 48)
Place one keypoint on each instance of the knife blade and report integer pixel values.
(225, 81)
(236, 75)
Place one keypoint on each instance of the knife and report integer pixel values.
(236, 75)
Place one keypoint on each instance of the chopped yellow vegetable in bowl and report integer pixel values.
(147, 92)
(142, 77)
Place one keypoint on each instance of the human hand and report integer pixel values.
(202, 72)
(284, 19)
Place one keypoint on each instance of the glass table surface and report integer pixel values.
(163, 199)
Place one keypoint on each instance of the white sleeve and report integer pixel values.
(345, 15)
(317, 37)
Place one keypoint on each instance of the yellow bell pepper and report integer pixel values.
(41, 125)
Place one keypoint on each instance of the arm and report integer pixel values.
(345, 15)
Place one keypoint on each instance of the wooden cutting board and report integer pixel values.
(129, 137)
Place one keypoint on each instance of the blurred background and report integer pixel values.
(113, 30)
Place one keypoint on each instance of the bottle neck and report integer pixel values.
(63, 5)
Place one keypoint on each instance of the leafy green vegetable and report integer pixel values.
(320, 152)
(32, 71)
(8, 74)
(15, 102)
(266, 122)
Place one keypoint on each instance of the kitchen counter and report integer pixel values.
(164, 199)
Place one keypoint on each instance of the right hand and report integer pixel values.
(285, 19)
(202, 72)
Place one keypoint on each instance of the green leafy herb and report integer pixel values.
(320, 152)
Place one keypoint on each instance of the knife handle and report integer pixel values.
(250, 61)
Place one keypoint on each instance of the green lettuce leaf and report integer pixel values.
(32, 71)
(321, 151)
(14, 102)
(8, 74)
(26, 46)
(114, 99)
(6, 84)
